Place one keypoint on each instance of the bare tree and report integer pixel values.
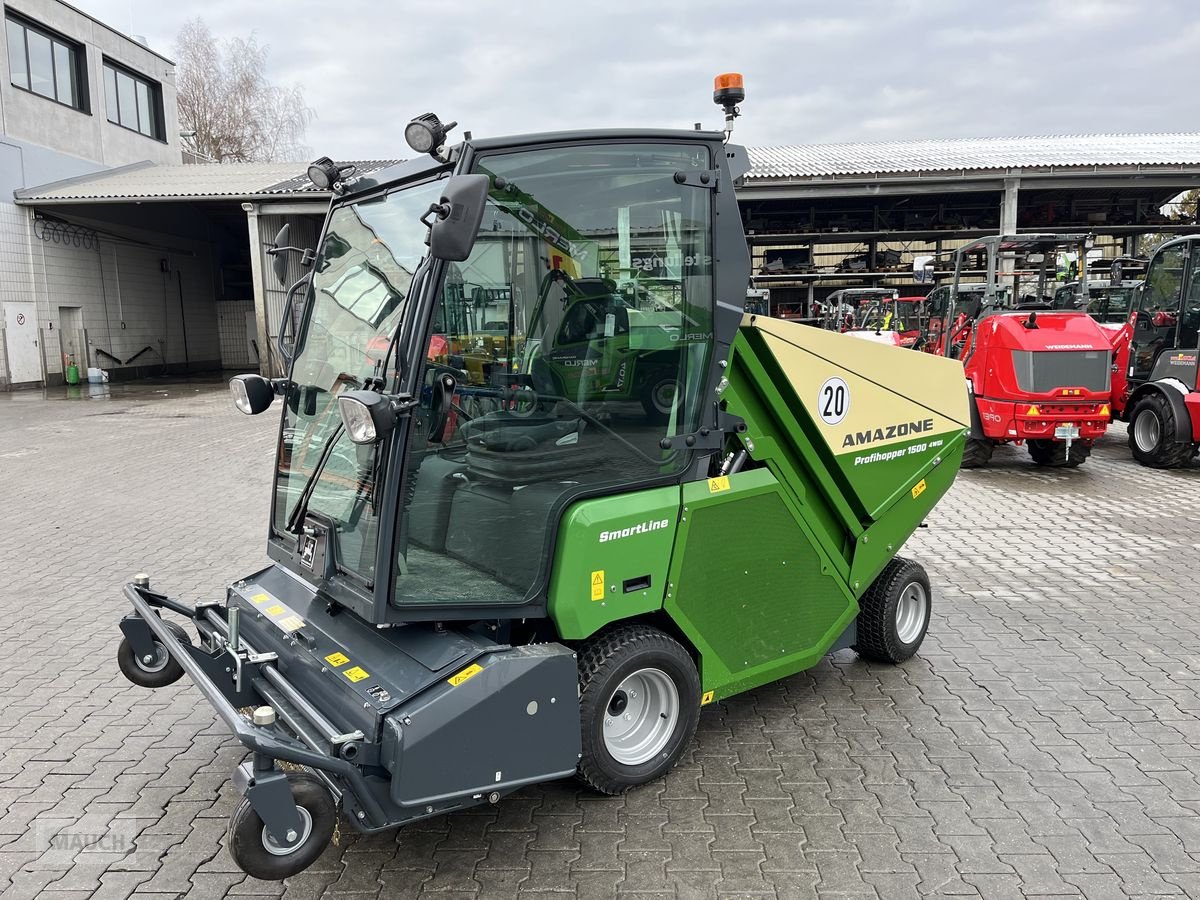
(225, 99)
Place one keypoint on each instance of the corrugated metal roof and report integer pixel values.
(227, 181)
(965, 154)
(245, 181)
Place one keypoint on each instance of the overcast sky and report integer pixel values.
(816, 72)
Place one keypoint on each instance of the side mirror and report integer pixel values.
(278, 261)
(252, 394)
(457, 217)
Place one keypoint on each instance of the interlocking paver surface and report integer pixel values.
(1045, 742)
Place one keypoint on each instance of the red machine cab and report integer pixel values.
(1038, 375)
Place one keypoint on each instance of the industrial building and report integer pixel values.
(116, 255)
(80, 98)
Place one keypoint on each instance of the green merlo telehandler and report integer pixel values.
(483, 583)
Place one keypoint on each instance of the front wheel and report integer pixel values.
(256, 850)
(639, 703)
(977, 453)
(1153, 432)
(154, 671)
(893, 614)
(1056, 454)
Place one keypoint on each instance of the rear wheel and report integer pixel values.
(639, 702)
(977, 453)
(258, 853)
(658, 397)
(893, 614)
(157, 670)
(1055, 453)
(1152, 433)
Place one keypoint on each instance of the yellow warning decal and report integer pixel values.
(707, 698)
(919, 488)
(356, 674)
(292, 623)
(469, 672)
(337, 659)
(1033, 411)
(598, 584)
(275, 610)
(716, 485)
(260, 598)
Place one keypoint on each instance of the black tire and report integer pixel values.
(1055, 454)
(1152, 432)
(247, 836)
(977, 453)
(879, 635)
(606, 661)
(658, 394)
(160, 672)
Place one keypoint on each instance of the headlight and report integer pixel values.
(357, 420)
(251, 393)
(367, 416)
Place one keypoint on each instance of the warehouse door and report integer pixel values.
(21, 342)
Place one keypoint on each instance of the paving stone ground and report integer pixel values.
(1045, 743)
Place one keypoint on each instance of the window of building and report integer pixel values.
(132, 101)
(45, 63)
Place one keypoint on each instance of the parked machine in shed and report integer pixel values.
(1155, 388)
(843, 309)
(895, 321)
(555, 586)
(1038, 375)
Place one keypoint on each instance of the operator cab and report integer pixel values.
(553, 354)
(1168, 314)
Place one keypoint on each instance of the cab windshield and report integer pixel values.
(578, 334)
(361, 285)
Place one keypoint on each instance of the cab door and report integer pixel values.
(1162, 318)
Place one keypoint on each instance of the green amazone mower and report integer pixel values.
(483, 583)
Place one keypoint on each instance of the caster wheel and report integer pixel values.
(259, 854)
(158, 671)
(894, 613)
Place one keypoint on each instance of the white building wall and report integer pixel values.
(16, 278)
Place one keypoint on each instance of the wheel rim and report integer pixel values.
(910, 612)
(664, 396)
(641, 716)
(1146, 430)
(161, 658)
(277, 849)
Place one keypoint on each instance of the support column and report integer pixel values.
(1008, 216)
(262, 327)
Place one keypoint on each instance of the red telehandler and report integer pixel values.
(1154, 384)
(1038, 375)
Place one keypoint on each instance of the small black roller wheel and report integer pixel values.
(1152, 433)
(157, 671)
(893, 614)
(639, 703)
(1056, 455)
(259, 854)
(977, 453)
(658, 397)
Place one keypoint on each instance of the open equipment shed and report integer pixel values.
(147, 270)
(822, 217)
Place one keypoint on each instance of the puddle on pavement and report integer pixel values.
(151, 390)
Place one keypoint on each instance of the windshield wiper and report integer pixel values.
(300, 511)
